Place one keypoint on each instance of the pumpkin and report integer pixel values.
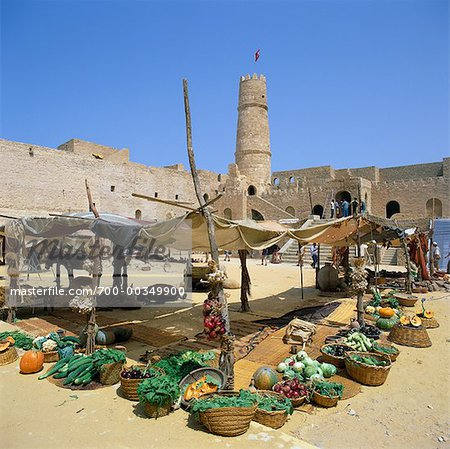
(428, 314)
(265, 378)
(4, 345)
(10, 339)
(404, 320)
(386, 323)
(31, 362)
(386, 312)
(416, 321)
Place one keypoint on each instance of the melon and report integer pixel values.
(386, 323)
(416, 321)
(265, 378)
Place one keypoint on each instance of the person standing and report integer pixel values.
(332, 207)
(362, 207)
(338, 209)
(264, 256)
(345, 208)
(435, 255)
(227, 256)
(355, 206)
(314, 250)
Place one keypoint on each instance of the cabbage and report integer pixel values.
(298, 366)
(316, 377)
(328, 370)
(301, 355)
(281, 367)
(308, 361)
(309, 371)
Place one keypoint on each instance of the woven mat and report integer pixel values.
(243, 373)
(38, 326)
(343, 314)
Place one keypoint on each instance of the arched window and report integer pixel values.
(257, 216)
(206, 197)
(290, 210)
(138, 214)
(343, 195)
(434, 208)
(318, 210)
(392, 208)
(227, 213)
(291, 180)
(276, 182)
(251, 190)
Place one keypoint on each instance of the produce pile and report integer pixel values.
(80, 370)
(206, 384)
(53, 342)
(368, 330)
(213, 322)
(21, 340)
(388, 350)
(358, 342)
(159, 390)
(274, 404)
(180, 365)
(244, 399)
(139, 372)
(369, 360)
(337, 350)
(291, 389)
(408, 321)
(302, 367)
(329, 389)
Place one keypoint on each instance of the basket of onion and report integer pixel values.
(132, 376)
(293, 389)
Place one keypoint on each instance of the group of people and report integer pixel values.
(344, 208)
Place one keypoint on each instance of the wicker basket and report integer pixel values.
(295, 402)
(416, 337)
(406, 300)
(129, 386)
(367, 374)
(393, 357)
(273, 419)
(8, 356)
(227, 421)
(429, 323)
(335, 360)
(110, 373)
(156, 411)
(324, 401)
(51, 356)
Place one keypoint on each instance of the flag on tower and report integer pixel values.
(257, 55)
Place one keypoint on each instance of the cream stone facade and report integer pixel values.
(39, 180)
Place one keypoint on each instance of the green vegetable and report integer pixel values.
(55, 368)
(369, 360)
(158, 390)
(22, 340)
(244, 399)
(272, 403)
(385, 349)
(329, 389)
(105, 356)
(328, 369)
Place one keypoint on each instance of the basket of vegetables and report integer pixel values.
(327, 394)
(132, 376)
(8, 352)
(200, 382)
(273, 409)
(335, 353)
(368, 368)
(389, 350)
(226, 413)
(410, 332)
(292, 389)
(358, 342)
(109, 363)
(158, 395)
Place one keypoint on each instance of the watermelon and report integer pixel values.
(265, 378)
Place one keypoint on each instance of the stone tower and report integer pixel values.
(252, 140)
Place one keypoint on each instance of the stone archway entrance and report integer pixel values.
(393, 207)
(318, 210)
(343, 195)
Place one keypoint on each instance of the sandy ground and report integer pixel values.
(410, 410)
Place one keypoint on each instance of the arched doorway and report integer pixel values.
(276, 182)
(138, 214)
(318, 210)
(206, 197)
(257, 216)
(251, 190)
(434, 208)
(291, 180)
(290, 210)
(227, 213)
(343, 195)
(393, 207)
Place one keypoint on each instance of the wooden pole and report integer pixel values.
(408, 283)
(245, 281)
(226, 362)
(90, 328)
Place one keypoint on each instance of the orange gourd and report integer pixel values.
(4, 345)
(10, 339)
(386, 312)
(31, 362)
(416, 321)
(428, 314)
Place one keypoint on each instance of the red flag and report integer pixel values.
(257, 55)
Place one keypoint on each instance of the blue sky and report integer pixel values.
(350, 83)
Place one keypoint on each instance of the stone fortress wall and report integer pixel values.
(39, 180)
